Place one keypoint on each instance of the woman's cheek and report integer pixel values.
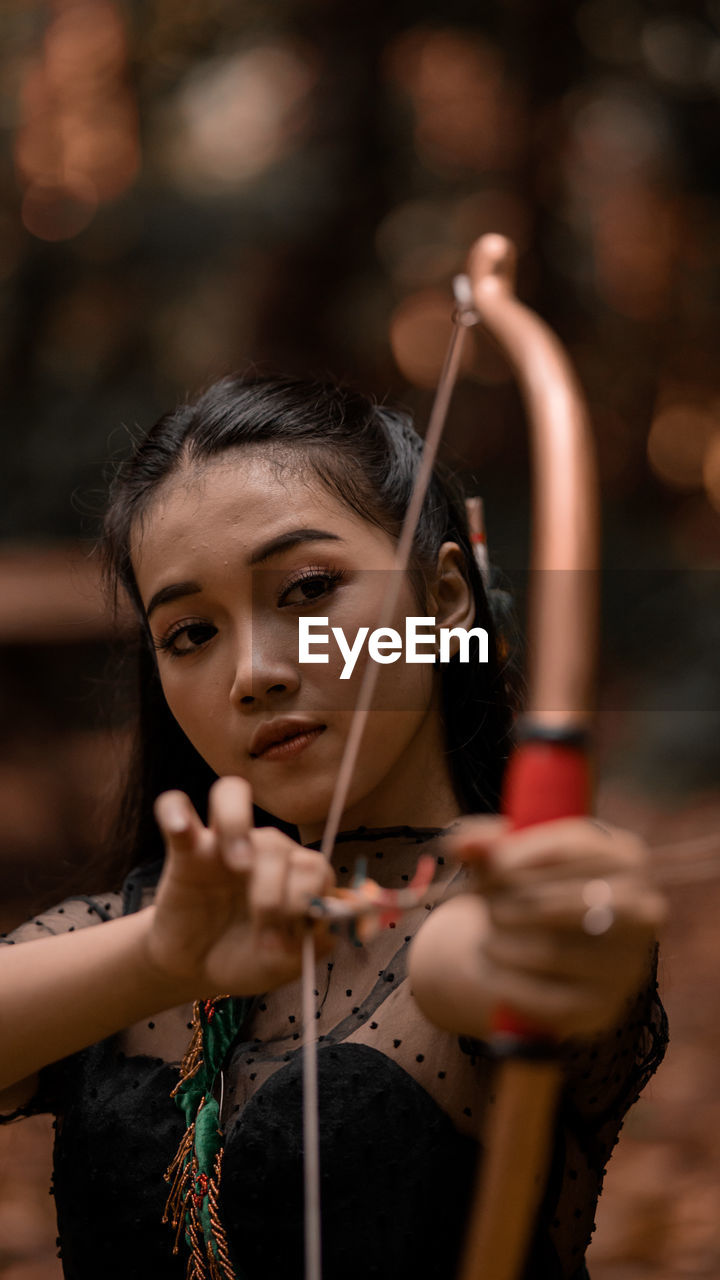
(400, 685)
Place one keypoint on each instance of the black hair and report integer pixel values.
(367, 456)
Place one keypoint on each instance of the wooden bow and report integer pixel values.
(548, 775)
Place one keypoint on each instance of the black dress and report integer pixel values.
(397, 1145)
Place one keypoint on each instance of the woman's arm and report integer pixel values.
(227, 917)
(527, 939)
(60, 994)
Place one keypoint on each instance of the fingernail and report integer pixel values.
(175, 819)
(238, 855)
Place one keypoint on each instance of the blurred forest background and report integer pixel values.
(188, 189)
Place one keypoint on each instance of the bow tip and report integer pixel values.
(493, 256)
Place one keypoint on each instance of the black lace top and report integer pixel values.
(401, 1105)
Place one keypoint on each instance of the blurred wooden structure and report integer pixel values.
(53, 594)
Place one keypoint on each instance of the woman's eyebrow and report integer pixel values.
(173, 592)
(283, 542)
(291, 538)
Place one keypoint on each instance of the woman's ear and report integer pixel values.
(451, 598)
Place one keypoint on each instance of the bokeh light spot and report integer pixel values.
(678, 444)
(56, 213)
(77, 143)
(237, 115)
(677, 50)
(711, 471)
(465, 105)
(420, 330)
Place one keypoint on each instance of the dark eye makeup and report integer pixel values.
(307, 581)
(197, 632)
(310, 584)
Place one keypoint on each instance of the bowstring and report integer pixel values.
(463, 318)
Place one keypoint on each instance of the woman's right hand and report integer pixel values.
(229, 910)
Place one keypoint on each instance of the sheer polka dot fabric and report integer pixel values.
(365, 1017)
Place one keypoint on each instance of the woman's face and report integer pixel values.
(228, 556)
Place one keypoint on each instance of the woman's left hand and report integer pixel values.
(560, 928)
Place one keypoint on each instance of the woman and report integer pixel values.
(264, 501)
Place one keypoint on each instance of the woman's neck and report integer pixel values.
(389, 855)
(416, 791)
(435, 806)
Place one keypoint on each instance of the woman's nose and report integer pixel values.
(262, 671)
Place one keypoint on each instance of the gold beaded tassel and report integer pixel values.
(192, 1207)
(183, 1212)
(180, 1171)
(193, 1056)
(221, 1268)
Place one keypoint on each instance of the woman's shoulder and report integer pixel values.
(138, 887)
(74, 912)
(79, 910)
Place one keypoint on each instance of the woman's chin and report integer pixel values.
(304, 810)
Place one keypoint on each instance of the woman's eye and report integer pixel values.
(187, 639)
(311, 586)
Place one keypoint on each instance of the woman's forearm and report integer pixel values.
(445, 967)
(60, 994)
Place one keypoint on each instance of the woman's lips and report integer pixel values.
(291, 746)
